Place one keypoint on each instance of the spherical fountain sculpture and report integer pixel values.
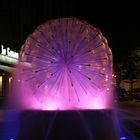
(63, 83)
(65, 64)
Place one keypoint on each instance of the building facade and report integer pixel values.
(8, 61)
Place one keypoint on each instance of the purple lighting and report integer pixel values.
(65, 64)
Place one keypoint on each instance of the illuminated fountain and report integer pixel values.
(65, 67)
(65, 64)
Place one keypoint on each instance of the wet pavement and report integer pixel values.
(129, 118)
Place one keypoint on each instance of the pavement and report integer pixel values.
(129, 110)
(129, 117)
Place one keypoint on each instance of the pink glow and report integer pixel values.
(65, 64)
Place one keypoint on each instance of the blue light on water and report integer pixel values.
(124, 138)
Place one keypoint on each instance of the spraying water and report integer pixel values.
(65, 64)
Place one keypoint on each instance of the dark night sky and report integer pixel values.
(118, 22)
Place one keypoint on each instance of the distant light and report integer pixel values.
(11, 139)
(107, 89)
(123, 138)
(113, 75)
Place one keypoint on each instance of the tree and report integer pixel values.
(129, 70)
